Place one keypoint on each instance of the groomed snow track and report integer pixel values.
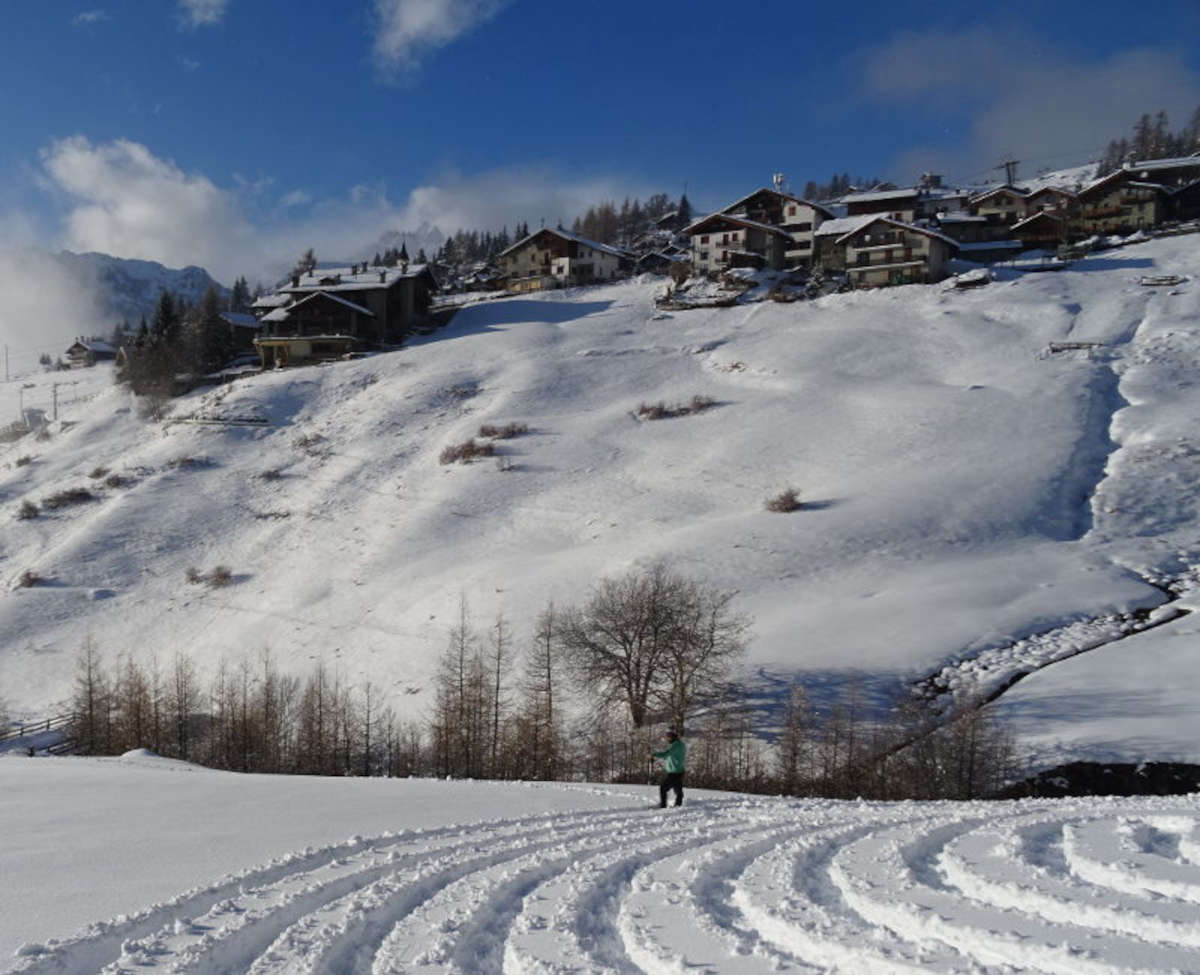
(738, 884)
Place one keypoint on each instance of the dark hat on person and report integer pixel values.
(672, 733)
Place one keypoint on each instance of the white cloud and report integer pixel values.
(201, 13)
(121, 199)
(1022, 97)
(45, 306)
(124, 200)
(88, 17)
(296, 198)
(406, 30)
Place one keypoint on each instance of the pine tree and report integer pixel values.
(239, 296)
(164, 327)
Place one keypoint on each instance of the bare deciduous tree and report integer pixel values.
(652, 639)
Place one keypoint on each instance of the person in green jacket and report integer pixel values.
(673, 759)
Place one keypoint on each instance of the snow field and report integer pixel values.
(975, 506)
(725, 884)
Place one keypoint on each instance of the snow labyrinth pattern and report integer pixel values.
(738, 884)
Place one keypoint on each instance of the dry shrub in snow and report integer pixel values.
(187, 463)
(660, 410)
(27, 510)
(465, 452)
(274, 474)
(68, 497)
(28, 579)
(97, 473)
(22, 461)
(12, 432)
(505, 432)
(786, 500)
(308, 441)
(220, 577)
(114, 481)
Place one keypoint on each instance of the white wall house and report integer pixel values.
(556, 258)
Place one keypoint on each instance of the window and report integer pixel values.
(704, 255)
(864, 258)
(724, 238)
(796, 228)
(704, 239)
(791, 211)
(735, 236)
(724, 256)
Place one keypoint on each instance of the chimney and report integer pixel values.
(295, 280)
(382, 276)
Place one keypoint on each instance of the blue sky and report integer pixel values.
(234, 133)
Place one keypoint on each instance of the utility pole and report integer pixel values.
(1010, 171)
(54, 392)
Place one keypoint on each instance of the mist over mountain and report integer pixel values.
(128, 289)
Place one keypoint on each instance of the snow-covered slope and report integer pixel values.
(965, 487)
(217, 872)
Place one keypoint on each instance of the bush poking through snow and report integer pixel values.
(28, 579)
(186, 463)
(115, 481)
(220, 577)
(274, 474)
(506, 432)
(786, 500)
(27, 510)
(466, 452)
(22, 461)
(12, 432)
(308, 442)
(660, 410)
(97, 473)
(68, 497)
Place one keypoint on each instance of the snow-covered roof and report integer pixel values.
(320, 294)
(991, 245)
(1011, 190)
(1040, 215)
(1176, 162)
(566, 235)
(879, 218)
(240, 319)
(783, 196)
(740, 221)
(95, 345)
(347, 279)
(1051, 190)
(872, 196)
(275, 300)
(278, 315)
(844, 225)
(960, 217)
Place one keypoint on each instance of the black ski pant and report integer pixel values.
(672, 780)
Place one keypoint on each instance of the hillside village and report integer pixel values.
(797, 248)
(884, 236)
